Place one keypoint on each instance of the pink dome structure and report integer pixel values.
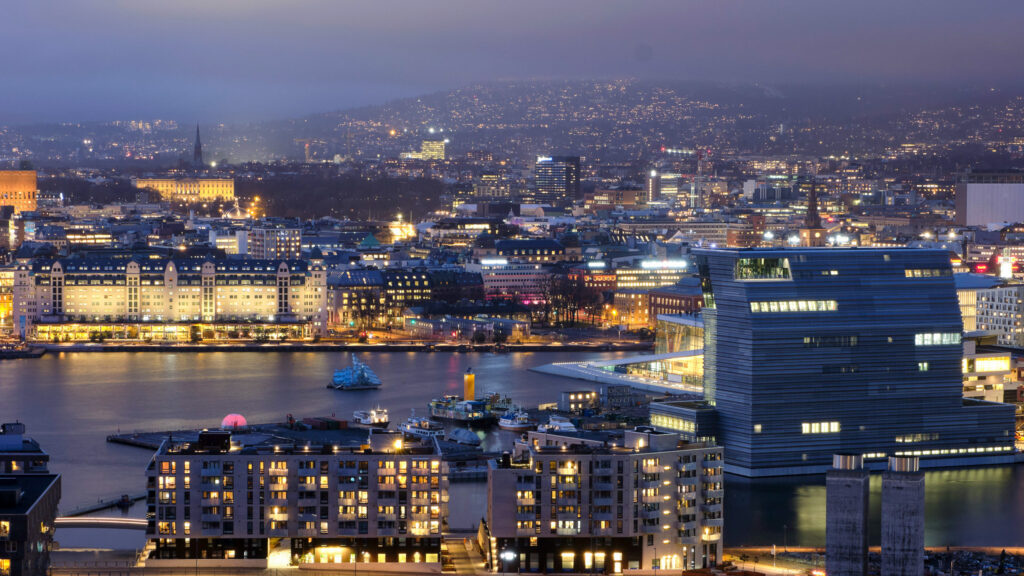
(233, 422)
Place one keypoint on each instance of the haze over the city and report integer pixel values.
(240, 61)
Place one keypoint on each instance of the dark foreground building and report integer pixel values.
(29, 496)
(812, 352)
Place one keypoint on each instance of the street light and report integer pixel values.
(506, 557)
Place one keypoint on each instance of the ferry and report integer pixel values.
(450, 408)
(421, 428)
(376, 417)
(358, 376)
(557, 423)
(517, 421)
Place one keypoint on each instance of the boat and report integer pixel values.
(517, 421)
(376, 417)
(464, 436)
(557, 423)
(450, 408)
(421, 428)
(358, 376)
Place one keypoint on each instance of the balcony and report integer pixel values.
(524, 501)
(711, 537)
(207, 472)
(713, 522)
(526, 532)
(387, 517)
(387, 471)
(307, 532)
(307, 487)
(426, 501)
(308, 517)
(651, 498)
(650, 514)
(565, 501)
(349, 502)
(210, 517)
(567, 486)
(422, 486)
(387, 486)
(609, 531)
(691, 525)
(279, 516)
(567, 471)
(526, 515)
(347, 516)
(650, 529)
(603, 515)
(566, 515)
(650, 483)
(603, 486)
(567, 531)
(276, 501)
(714, 493)
(711, 478)
(530, 485)
(604, 501)
(209, 501)
(277, 532)
(653, 468)
(277, 471)
(687, 466)
(309, 501)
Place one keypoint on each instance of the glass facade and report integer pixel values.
(843, 352)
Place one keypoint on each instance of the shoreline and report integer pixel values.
(345, 347)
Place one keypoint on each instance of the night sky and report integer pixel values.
(235, 60)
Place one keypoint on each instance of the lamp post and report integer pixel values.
(506, 557)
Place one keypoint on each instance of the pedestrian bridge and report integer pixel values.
(101, 522)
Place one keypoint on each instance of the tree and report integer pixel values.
(479, 337)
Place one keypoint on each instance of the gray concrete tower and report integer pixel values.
(846, 516)
(903, 518)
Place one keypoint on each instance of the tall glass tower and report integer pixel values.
(812, 352)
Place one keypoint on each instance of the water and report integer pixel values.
(72, 401)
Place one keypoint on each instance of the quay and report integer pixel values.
(343, 347)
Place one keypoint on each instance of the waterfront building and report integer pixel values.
(846, 516)
(605, 502)
(355, 298)
(631, 307)
(190, 190)
(968, 286)
(168, 299)
(903, 518)
(988, 197)
(557, 180)
(404, 288)
(342, 497)
(29, 496)
(274, 241)
(812, 352)
(19, 189)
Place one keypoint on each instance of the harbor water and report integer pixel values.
(72, 401)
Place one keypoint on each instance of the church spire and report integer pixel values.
(197, 151)
(813, 220)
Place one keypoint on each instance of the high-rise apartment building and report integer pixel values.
(19, 189)
(358, 498)
(605, 502)
(275, 241)
(557, 180)
(812, 352)
(29, 496)
(190, 190)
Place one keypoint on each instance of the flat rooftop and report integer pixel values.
(33, 486)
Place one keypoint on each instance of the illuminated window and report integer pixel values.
(937, 339)
(794, 306)
(819, 427)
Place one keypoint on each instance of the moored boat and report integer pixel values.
(376, 417)
(557, 423)
(421, 428)
(358, 376)
(517, 421)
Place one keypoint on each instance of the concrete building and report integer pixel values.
(605, 502)
(19, 189)
(968, 285)
(190, 190)
(903, 518)
(987, 371)
(275, 241)
(984, 198)
(846, 516)
(342, 496)
(651, 274)
(167, 299)
(812, 352)
(29, 496)
(1001, 310)
(525, 283)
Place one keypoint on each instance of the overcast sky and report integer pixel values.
(231, 60)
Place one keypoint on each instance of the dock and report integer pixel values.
(106, 504)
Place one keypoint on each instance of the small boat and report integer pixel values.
(464, 436)
(376, 417)
(421, 428)
(358, 376)
(517, 421)
(557, 423)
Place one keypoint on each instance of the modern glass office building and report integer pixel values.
(811, 352)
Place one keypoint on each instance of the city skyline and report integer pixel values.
(228, 62)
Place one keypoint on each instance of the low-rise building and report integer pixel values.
(343, 497)
(605, 502)
(29, 496)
